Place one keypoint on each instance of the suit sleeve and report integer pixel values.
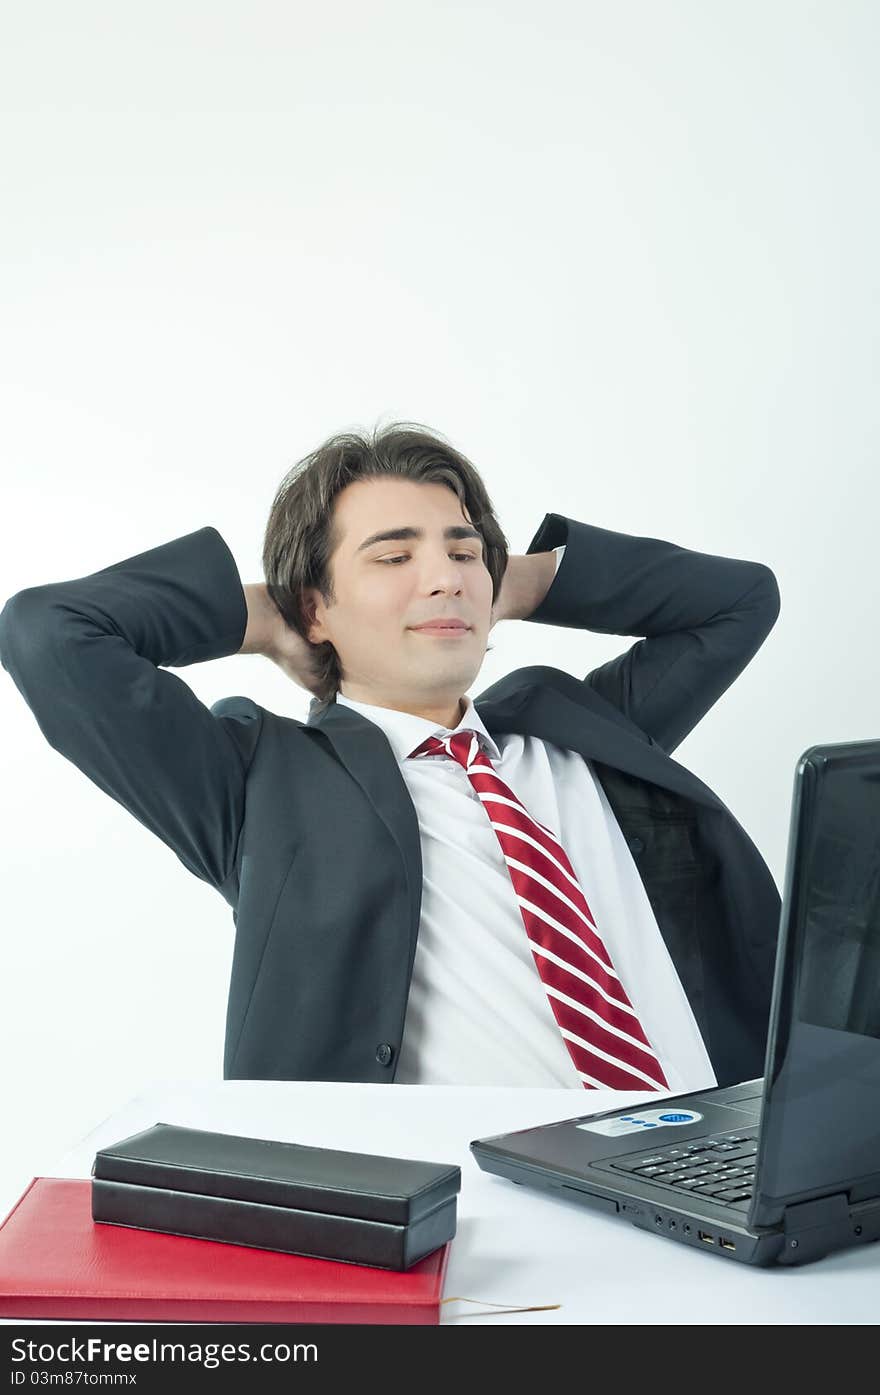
(703, 619)
(87, 657)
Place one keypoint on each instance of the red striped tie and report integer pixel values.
(600, 1028)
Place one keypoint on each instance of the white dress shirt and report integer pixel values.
(478, 1012)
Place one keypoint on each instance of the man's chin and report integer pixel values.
(436, 669)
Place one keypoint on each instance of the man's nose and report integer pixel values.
(445, 575)
(445, 581)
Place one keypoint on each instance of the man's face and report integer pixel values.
(387, 587)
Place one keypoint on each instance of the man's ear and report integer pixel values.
(315, 630)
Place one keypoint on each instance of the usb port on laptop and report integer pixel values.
(706, 1238)
(726, 1244)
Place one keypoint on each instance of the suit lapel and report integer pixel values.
(559, 708)
(366, 752)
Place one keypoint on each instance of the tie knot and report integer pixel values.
(463, 746)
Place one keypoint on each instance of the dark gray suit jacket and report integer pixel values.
(308, 830)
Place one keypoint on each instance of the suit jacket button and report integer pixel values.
(636, 845)
(384, 1053)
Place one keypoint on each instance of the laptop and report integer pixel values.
(784, 1168)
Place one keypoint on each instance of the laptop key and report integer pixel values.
(732, 1194)
(734, 1154)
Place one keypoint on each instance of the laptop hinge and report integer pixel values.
(813, 1228)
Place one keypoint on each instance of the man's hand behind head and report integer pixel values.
(269, 634)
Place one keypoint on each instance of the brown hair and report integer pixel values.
(300, 541)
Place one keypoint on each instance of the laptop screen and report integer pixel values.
(821, 1127)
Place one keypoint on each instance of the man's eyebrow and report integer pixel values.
(456, 530)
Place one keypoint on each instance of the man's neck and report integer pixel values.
(442, 714)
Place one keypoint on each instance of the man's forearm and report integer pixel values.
(629, 584)
(268, 633)
(526, 582)
(262, 621)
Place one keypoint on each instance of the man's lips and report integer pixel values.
(442, 627)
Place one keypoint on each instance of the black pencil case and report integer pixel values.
(362, 1208)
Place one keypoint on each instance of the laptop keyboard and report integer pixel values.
(721, 1167)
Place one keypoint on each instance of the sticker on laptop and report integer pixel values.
(644, 1119)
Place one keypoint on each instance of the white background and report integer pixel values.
(623, 256)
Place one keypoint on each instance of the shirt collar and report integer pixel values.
(406, 731)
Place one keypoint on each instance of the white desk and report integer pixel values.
(512, 1245)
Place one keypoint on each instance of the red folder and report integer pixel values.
(56, 1262)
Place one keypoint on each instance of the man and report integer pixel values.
(519, 889)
